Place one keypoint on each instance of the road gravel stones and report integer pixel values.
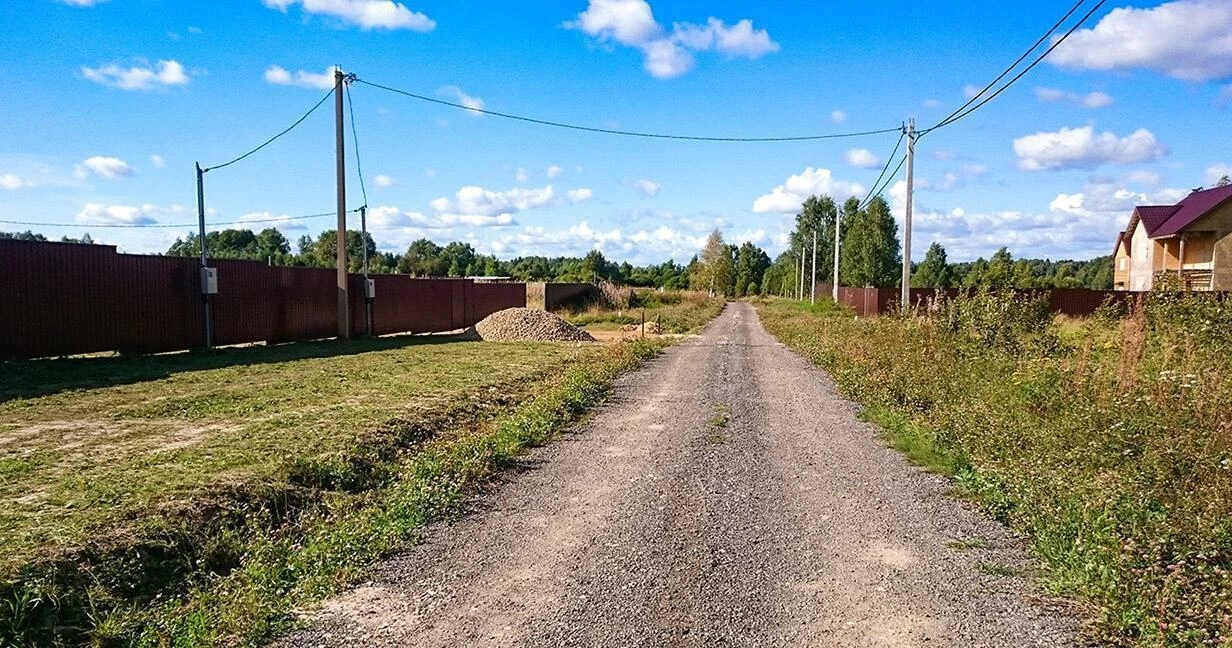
(528, 325)
(793, 525)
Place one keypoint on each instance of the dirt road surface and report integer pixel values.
(655, 524)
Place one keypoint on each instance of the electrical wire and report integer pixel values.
(876, 192)
(359, 166)
(271, 140)
(610, 131)
(884, 168)
(277, 219)
(1037, 61)
(1013, 65)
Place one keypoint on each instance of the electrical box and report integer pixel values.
(209, 281)
(369, 288)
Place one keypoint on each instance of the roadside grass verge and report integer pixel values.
(678, 312)
(289, 471)
(1105, 442)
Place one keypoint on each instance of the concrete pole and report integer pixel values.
(906, 289)
(838, 221)
(813, 276)
(344, 301)
(207, 323)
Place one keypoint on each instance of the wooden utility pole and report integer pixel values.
(813, 276)
(906, 289)
(344, 302)
(838, 216)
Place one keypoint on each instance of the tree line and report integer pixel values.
(870, 255)
(425, 258)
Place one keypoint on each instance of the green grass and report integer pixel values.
(677, 312)
(972, 543)
(718, 422)
(201, 497)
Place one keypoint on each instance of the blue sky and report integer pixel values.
(108, 103)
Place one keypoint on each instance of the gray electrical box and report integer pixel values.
(370, 288)
(209, 281)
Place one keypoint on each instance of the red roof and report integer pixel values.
(1188, 211)
(1153, 216)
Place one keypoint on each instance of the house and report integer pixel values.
(1191, 239)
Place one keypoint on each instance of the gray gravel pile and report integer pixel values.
(528, 325)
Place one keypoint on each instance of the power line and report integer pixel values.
(886, 166)
(1037, 61)
(877, 190)
(271, 140)
(275, 219)
(1013, 65)
(610, 131)
(359, 166)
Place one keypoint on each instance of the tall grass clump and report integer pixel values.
(1107, 442)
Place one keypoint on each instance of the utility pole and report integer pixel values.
(813, 277)
(838, 222)
(800, 290)
(207, 320)
(906, 296)
(368, 291)
(344, 302)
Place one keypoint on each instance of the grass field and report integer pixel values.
(1105, 442)
(172, 499)
(676, 312)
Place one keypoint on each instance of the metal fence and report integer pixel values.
(67, 298)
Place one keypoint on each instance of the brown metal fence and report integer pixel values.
(66, 298)
(868, 302)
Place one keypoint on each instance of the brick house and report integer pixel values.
(1191, 239)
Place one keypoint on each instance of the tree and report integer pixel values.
(751, 265)
(871, 254)
(323, 252)
(1224, 181)
(714, 271)
(423, 259)
(933, 272)
(23, 236)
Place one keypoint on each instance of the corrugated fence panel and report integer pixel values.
(492, 297)
(260, 303)
(560, 295)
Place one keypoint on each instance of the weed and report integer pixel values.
(967, 544)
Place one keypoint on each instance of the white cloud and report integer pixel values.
(838, 116)
(554, 171)
(477, 220)
(640, 246)
(82, 3)
(581, 194)
(970, 91)
(475, 104)
(96, 214)
(668, 54)
(522, 175)
(319, 80)
(158, 161)
(473, 200)
(787, 197)
(366, 14)
(105, 167)
(265, 219)
(861, 158)
(163, 75)
(649, 188)
(1089, 100)
(932, 104)
(1082, 148)
(382, 180)
(10, 182)
(1189, 40)
(1217, 171)
(1110, 202)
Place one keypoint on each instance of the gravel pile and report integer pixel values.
(528, 325)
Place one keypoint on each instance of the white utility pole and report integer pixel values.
(838, 215)
(813, 277)
(800, 290)
(344, 300)
(906, 290)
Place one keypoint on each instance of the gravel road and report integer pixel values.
(655, 524)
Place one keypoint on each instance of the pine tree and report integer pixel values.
(933, 272)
